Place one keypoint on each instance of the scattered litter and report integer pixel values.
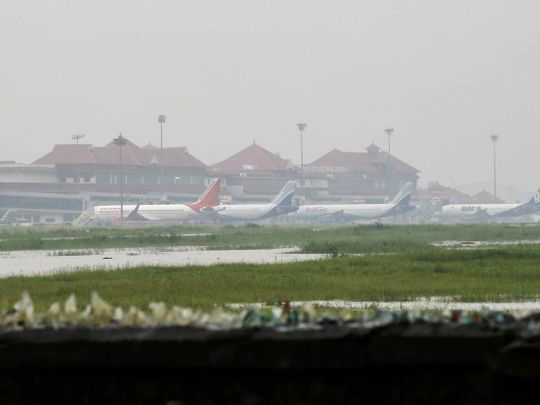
(99, 313)
(418, 304)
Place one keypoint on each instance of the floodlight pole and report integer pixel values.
(494, 139)
(77, 137)
(121, 141)
(161, 119)
(301, 127)
(389, 132)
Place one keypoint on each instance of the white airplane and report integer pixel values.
(398, 205)
(161, 212)
(280, 205)
(480, 212)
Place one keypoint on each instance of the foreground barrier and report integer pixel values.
(106, 354)
(397, 362)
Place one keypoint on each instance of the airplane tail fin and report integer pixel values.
(404, 195)
(209, 197)
(534, 201)
(535, 198)
(530, 207)
(285, 196)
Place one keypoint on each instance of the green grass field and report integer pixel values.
(509, 273)
(325, 239)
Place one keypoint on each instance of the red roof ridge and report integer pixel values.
(255, 156)
(361, 161)
(132, 155)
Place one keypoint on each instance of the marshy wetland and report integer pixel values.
(322, 239)
(223, 265)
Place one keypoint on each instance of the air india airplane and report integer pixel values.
(163, 212)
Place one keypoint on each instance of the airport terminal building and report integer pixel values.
(370, 176)
(72, 178)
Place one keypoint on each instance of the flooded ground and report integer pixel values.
(420, 304)
(42, 262)
(480, 243)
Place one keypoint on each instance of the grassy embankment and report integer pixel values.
(325, 239)
(473, 275)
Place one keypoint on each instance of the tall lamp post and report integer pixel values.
(389, 132)
(77, 137)
(161, 119)
(121, 141)
(301, 127)
(494, 139)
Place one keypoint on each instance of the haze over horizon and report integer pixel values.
(445, 75)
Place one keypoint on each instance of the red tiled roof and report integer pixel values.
(252, 158)
(438, 191)
(176, 156)
(109, 155)
(149, 146)
(68, 154)
(485, 197)
(361, 162)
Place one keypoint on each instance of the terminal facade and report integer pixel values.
(72, 178)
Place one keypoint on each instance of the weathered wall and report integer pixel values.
(398, 363)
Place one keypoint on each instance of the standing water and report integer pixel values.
(43, 262)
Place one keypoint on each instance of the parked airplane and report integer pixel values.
(400, 204)
(482, 212)
(160, 212)
(280, 205)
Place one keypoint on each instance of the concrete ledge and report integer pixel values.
(420, 362)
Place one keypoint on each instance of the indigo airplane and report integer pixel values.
(400, 204)
(483, 212)
(280, 205)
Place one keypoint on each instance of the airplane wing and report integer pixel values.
(341, 216)
(481, 215)
(212, 212)
(336, 216)
(135, 216)
(400, 209)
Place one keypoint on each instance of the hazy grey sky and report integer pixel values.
(444, 74)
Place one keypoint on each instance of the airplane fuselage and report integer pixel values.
(157, 212)
(360, 211)
(467, 210)
(251, 212)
